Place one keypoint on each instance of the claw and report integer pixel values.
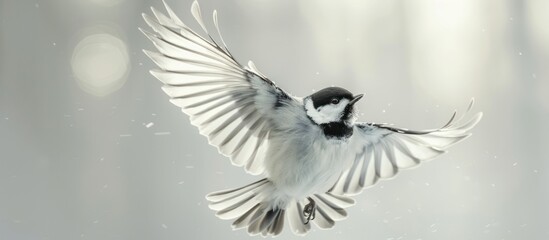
(310, 210)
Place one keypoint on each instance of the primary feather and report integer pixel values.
(210, 86)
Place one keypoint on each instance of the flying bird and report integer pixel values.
(312, 152)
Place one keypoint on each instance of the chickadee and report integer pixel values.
(313, 154)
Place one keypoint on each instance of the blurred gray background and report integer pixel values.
(90, 147)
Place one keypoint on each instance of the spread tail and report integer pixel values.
(252, 207)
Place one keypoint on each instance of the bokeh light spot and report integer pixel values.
(100, 63)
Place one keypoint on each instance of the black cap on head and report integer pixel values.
(325, 96)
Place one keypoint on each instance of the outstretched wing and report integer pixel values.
(230, 104)
(388, 149)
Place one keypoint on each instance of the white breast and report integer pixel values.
(300, 164)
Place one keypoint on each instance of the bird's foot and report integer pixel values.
(310, 210)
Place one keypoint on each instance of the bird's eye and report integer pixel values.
(335, 101)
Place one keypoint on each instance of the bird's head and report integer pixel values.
(331, 105)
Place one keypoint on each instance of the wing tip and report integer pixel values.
(471, 103)
(195, 3)
(147, 18)
(451, 121)
(156, 74)
(151, 22)
(157, 14)
(474, 121)
(149, 53)
(147, 34)
(480, 115)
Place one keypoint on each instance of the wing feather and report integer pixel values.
(388, 149)
(208, 84)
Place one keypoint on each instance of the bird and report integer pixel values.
(311, 152)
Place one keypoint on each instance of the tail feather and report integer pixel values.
(244, 220)
(278, 225)
(228, 194)
(268, 223)
(268, 219)
(329, 209)
(296, 219)
(339, 200)
(332, 210)
(234, 203)
(236, 210)
(252, 207)
(323, 220)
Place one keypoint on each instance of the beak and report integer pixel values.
(356, 98)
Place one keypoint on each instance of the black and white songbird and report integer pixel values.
(311, 152)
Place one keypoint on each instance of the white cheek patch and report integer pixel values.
(326, 114)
